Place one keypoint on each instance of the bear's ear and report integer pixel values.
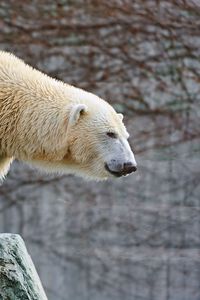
(121, 116)
(76, 112)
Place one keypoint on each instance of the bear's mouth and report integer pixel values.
(115, 173)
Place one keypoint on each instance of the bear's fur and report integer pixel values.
(51, 124)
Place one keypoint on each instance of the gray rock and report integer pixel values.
(18, 277)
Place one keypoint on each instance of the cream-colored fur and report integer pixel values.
(5, 163)
(50, 124)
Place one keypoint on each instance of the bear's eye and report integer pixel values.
(112, 135)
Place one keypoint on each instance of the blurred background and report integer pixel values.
(136, 238)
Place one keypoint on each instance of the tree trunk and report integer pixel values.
(18, 277)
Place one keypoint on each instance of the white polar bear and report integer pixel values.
(58, 127)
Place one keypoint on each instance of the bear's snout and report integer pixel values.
(119, 170)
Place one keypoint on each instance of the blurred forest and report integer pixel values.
(136, 238)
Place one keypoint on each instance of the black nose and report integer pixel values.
(129, 168)
(123, 170)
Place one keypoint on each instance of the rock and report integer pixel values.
(18, 277)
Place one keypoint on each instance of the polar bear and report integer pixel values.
(58, 127)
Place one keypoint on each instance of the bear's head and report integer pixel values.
(97, 142)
